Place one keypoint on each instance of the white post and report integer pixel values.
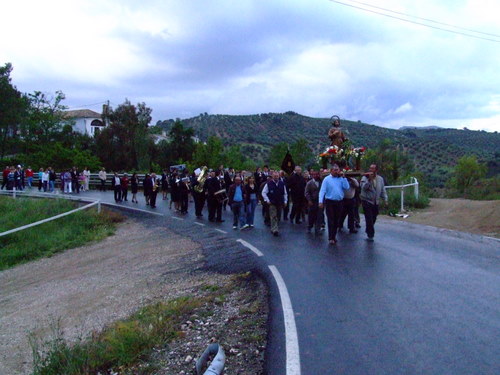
(416, 189)
(14, 192)
(99, 207)
(402, 199)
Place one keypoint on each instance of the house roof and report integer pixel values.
(82, 113)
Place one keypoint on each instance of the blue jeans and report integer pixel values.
(251, 211)
(51, 186)
(238, 213)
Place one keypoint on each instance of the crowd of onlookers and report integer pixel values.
(69, 181)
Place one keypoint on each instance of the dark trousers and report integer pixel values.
(315, 217)
(124, 193)
(75, 186)
(238, 209)
(184, 202)
(348, 211)
(214, 209)
(286, 210)
(103, 185)
(4, 182)
(118, 193)
(265, 213)
(297, 208)
(152, 198)
(333, 213)
(199, 202)
(371, 213)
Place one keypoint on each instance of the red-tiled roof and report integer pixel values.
(85, 113)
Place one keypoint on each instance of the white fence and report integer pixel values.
(14, 194)
(414, 183)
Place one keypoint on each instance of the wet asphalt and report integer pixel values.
(417, 300)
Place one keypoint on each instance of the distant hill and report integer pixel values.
(435, 150)
(431, 127)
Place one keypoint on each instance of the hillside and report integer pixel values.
(435, 150)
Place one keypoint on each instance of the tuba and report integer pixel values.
(201, 180)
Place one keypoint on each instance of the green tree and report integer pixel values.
(13, 106)
(277, 154)
(392, 161)
(235, 158)
(210, 154)
(301, 153)
(182, 143)
(126, 143)
(45, 119)
(467, 171)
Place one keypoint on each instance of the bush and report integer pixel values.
(120, 345)
(484, 189)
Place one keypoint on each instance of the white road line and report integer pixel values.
(220, 230)
(200, 224)
(291, 338)
(132, 208)
(177, 218)
(250, 246)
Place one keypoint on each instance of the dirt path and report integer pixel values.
(479, 217)
(91, 286)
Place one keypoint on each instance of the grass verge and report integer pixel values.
(49, 238)
(127, 346)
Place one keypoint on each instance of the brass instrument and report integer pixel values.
(201, 180)
(155, 184)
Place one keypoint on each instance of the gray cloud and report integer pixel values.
(312, 57)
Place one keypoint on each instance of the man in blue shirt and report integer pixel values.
(331, 196)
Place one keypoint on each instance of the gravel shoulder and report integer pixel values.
(89, 287)
(478, 217)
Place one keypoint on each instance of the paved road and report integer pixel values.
(418, 300)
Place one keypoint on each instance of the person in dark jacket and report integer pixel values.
(184, 190)
(198, 197)
(297, 186)
(146, 184)
(164, 184)
(274, 194)
(154, 186)
(134, 186)
(75, 180)
(312, 197)
(214, 185)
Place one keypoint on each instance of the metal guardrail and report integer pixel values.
(402, 187)
(15, 193)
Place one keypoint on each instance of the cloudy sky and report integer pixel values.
(314, 57)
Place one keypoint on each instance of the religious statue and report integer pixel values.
(341, 151)
(336, 135)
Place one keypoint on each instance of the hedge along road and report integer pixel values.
(417, 300)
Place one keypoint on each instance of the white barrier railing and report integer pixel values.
(13, 194)
(402, 187)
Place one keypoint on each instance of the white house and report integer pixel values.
(86, 121)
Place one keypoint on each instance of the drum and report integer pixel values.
(221, 196)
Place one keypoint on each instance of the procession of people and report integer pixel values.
(326, 197)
